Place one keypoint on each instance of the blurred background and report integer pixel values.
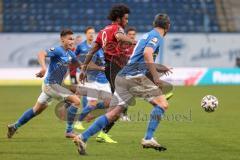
(203, 45)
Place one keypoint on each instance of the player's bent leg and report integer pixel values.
(91, 105)
(27, 115)
(74, 99)
(103, 137)
(71, 114)
(99, 123)
(40, 105)
(113, 114)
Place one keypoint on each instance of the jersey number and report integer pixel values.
(104, 38)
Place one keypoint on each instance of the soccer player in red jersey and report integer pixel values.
(110, 39)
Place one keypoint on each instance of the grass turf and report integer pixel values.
(188, 132)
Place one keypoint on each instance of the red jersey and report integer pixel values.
(107, 40)
(122, 58)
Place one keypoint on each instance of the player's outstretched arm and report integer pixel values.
(148, 57)
(93, 66)
(93, 50)
(41, 59)
(89, 56)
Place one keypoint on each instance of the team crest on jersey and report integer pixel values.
(52, 49)
(69, 58)
(154, 41)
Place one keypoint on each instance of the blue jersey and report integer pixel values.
(98, 59)
(136, 64)
(58, 67)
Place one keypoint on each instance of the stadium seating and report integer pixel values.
(51, 16)
(1, 17)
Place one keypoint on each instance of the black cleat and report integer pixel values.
(11, 130)
(160, 148)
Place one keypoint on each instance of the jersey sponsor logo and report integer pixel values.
(52, 49)
(69, 58)
(145, 36)
(154, 41)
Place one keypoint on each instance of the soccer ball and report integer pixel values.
(209, 103)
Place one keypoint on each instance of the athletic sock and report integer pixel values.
(155, 118)
(85, 112)
(88, 109)
(99, 123)
(27, 115)
(71, 113)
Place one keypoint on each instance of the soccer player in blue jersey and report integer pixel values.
(97, 83)
(60, 57)
(133, 81)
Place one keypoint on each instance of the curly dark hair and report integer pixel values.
(118, 11)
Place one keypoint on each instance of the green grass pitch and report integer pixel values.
(188, 132)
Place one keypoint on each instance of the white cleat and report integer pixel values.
(152, 143)
(81, 145)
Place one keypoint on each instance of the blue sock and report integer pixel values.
(85, 112)
(100, 105)
(88, 109)
(155, 118)
(99, 124)
(27, 115)
(71, 113)
(84, 101)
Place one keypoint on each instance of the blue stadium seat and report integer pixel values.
(51, 16)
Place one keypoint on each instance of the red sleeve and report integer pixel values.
(99, 39)
(118, 29)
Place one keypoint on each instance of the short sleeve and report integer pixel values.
(153, 42)
(51, 52)
(119, 30)
(78, 50)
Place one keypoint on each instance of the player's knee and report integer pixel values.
(160, 102)
(76, 101)
(106, 102)
(164, 105)
(92, 103)
(39, 107)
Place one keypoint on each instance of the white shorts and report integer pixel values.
(55, 91)
(126, 88)
(95, 90)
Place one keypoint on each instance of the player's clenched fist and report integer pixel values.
(41, 73)
(82, 77)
